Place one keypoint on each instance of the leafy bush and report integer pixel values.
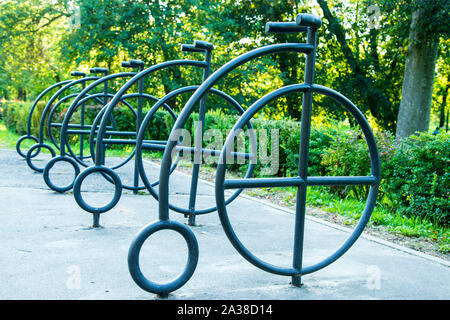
(417, 177)
(15, 115)
(348, 155)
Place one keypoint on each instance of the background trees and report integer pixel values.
(29, 35)
(428, 24)
(371, 50)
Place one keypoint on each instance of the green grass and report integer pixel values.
(351, 209)
(8, 138)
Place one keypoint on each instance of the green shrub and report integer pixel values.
(15, 115)
(347, 155)
(417, 177)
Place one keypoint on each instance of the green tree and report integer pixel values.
(428, 23)
(28, 31)
(372, 61)
(114, 30)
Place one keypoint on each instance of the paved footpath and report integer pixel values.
(49, 251)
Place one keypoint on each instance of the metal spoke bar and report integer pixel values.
(117, 133)
(154, 143)
(341, 181)
(263, 183)
(297, 181)
(210, 152)
(75, 126)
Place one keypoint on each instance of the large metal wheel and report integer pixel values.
(141, 145)
(372, 180)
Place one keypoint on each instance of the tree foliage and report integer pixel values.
(28, 46)
(360, 53)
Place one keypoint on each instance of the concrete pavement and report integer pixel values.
(49, 251)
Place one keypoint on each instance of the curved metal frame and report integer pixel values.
(66, 127)
(107, 112)
(28, 135)
(149, 145)
(94, 128)
(304, 23)
(42, 122)
(51, 124)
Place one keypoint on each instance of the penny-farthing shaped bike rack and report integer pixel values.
(304, 23)
(36, 148)
(77, 128)
(28, 135)
(66, 152)
(190, 210)
(101, 140)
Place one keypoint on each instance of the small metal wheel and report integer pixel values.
(22, 139)
(97, 210)
(50, 165)
(162, 289)
(32, 153)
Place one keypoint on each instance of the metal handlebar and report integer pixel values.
(98, 70)
(198, 46)
(284, 27)
(190, 48)
(303, 21)
(132, 64)
(78, 74)
(125, 64)
(205, 45)
(308, 20)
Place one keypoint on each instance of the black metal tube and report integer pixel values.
(199, 134)
(303, 162)
(82, 123)
(112, 132)
(74, 126)
(284, 27)
(308, 20)
(263, 183)
(341, 181)
(138, 118)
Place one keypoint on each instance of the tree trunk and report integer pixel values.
(289, 66)
(418, 79)
(444, 104)
(21, 94)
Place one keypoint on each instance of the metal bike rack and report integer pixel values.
(304, 23)
(191, 211)
(67, 127)
(50, 124)
(140, 143)
(29, 135)
(36, 148)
